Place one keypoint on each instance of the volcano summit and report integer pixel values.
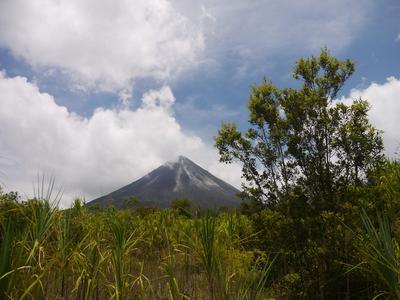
(177, 179)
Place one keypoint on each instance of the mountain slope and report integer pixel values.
(180, 179)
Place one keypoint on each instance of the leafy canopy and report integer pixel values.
(303, 139)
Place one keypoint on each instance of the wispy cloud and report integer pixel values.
(258, 30)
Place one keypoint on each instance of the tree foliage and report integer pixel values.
(309, 161)
(303, 139)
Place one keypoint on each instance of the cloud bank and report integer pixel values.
(108, 45)
(91, 156)
(101, 44)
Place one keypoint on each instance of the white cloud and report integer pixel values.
(91, 156)
(109, 44)
(159, 99)
(385, 110)
(103, 44)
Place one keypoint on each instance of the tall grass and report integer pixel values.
(78, 253)
(254, 286)
(122, 244)
(206, 233)
(381, 253)
(6, 251)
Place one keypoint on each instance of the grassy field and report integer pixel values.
(113, 254)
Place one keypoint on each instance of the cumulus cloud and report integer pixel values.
(91, 156)
(102, 44)
(385, 110)
(158, 99)
(110, 44)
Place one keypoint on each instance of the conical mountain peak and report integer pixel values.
(181, 178)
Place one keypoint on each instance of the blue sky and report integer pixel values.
(126, 85)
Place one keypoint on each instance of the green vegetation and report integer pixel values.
(254, 253)
(183, 206)
(311, 164)
(81, 253)
(321, 218)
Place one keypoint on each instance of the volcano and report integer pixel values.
(175, 180)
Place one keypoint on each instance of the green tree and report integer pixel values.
(307, 158)
(303, 140)
(183, 206)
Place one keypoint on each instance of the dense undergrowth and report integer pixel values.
(254, 253)
(124, 254)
